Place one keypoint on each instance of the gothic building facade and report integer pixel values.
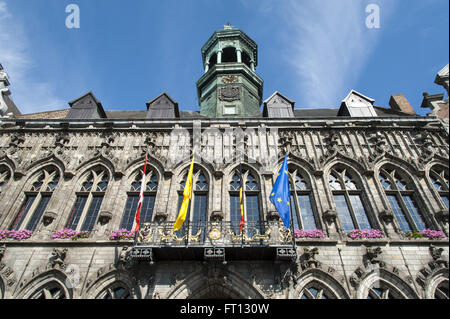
(369, 195)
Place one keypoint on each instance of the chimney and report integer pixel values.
(398, 102)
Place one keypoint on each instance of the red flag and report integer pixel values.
(141, 198)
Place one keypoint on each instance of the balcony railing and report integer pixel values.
(206, 234)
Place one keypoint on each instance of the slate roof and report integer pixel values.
(141, 114)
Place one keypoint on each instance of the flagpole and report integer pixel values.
(290, 212)
(241, 190)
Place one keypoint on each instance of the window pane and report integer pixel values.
(306, 212)
(399, 213)
(38, 213)
(344, 213)
(147, 208)
(360, 212)
(22, 212)
(445, 200)
(253, 214)
(92, 213)
(252, 208)
(235, 213)
(294, 213)
(414, 211)
(182, 231)
(130, 212)
(75, 215)
(199, 217)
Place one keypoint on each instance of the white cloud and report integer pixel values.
(329, 46)
(29, 93)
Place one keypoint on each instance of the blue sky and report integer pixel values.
(128, 52)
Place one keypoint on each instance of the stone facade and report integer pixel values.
(82, 169)
(341, 268)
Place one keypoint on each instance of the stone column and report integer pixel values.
(206, 67)
(219, 56)
(239, 55)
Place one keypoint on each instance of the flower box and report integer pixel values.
(426, 233)
(15, 234)
(66, 233)
(122, 234)
(315, 233)
(365, 234)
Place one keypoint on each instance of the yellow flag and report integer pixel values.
(186, 197)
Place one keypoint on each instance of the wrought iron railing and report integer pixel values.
(214, 234)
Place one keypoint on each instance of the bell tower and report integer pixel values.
(230, 87)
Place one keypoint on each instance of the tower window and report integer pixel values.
(229, 55)
(246, 59)
(213, 60)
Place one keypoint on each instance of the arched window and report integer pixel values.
(50, 291)
(229, 55)
(37, 197)
(250, 198)
(316, 291)
(381, 290)
(347, 198)
(301, 209)
(246, 59)
(439, 178)
(5, 175)
(83, 215)
(402, 200)
(198, 204)
(115, 291)
(148, 204)
(213, 60)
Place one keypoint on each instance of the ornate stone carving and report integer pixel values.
(387, 216)
(104, 217)
(308, 259)
(49, 217)
(124, 261)
(371, 257)
(229, 93)
(58, 258)
(329, 216)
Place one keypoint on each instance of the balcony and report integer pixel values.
(214, 240)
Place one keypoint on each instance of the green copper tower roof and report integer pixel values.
(230, 87)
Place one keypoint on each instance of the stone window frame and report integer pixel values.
(246, 171)
(322, 290)
(399, 193)
(136, 178)
(89, 193)
(5, 176)
(441, 177)
(111, 291)
(197, 173)
(48, 292)
(438, 293)
(384, 291)
(294, 172)
(39, 186)
(360, 190)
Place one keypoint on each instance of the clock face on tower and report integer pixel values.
(228, 79)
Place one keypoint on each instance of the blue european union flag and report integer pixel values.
(280, 194)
